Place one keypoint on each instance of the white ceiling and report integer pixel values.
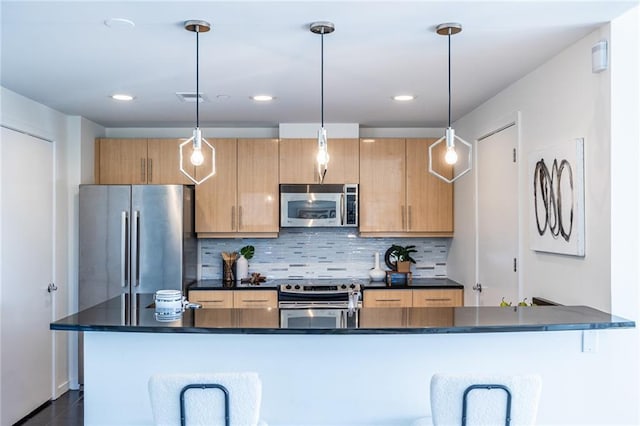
(63, 55)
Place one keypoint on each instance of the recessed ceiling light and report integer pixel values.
(122, 97)
(262, 98)
(403, 98)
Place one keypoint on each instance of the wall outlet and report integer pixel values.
(589, 341)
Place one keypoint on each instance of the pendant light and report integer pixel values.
(322, 156)
(451, 154)
(199, 143)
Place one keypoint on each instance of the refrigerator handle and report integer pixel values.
(124, 248)
(136, 244)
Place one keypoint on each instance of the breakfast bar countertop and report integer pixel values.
(111, 316)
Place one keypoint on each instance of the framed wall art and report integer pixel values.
(556, 185)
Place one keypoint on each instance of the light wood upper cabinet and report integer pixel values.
(121, 161)
(258, 190)
(429, 199)
(139, 161)
(163, 156)
(382, 185)
(216, 197)
(298, 161)
(241, 199)
(398, 195)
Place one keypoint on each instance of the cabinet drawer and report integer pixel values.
(436, 298)
(387, 299)
(212, 298)
(255, 299)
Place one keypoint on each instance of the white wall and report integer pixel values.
(560, 101)
(70, 136)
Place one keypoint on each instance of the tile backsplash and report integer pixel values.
(323, 253)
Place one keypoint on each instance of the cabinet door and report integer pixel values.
(258, 192)
(255, 299)
(212, 298)
(298, 161)
(429, 199)
(344, 161)
(122, 161)
(382, 185)
(216, 197)
(437, 298)
(163, 162)
(387, 299)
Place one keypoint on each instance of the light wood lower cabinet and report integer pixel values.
(436, 298)
(387, 299)
(255, 299)
(236, 308)
(212, 298)
(235, 298)
(412, 298)
(395, 303)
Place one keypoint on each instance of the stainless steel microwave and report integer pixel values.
(318, 205)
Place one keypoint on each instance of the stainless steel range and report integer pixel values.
(319, 303)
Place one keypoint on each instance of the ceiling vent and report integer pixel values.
(191, 96)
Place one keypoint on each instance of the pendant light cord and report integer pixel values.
(322, 79)
(449, 38)
(197, 76)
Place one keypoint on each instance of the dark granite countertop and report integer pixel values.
(110, 316)
(434, 283)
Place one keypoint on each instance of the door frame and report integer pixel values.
(492, 128)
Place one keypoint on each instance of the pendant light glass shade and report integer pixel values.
(322, 157)
(452, 153)
(199, 146)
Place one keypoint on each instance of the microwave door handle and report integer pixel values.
(342, 208)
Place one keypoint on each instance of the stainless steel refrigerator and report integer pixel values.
(134, 239)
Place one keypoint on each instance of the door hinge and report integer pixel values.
(515, 265)
(515, 156)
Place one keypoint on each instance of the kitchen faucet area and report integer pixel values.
(339, 213)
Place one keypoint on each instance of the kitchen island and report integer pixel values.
(375, 373)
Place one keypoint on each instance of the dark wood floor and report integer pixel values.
(68, 410)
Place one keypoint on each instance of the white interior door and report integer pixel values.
(26, 269)
(497, 218)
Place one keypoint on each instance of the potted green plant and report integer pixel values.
(402, 254)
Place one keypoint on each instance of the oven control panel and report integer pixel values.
(319, 288)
